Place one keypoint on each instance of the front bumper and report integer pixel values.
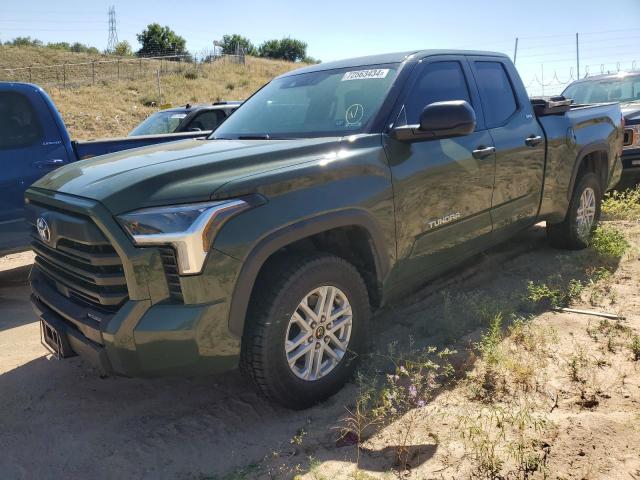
(167, 339)
(150, 334)
(630, 169)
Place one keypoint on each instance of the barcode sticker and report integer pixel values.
(365, 74)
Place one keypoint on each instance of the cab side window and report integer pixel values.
(496, 92)
(208, 120)
(19, 126)
(438, 82)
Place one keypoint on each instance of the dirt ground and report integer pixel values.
(59, 419)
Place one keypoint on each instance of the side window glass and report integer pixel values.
(496, 92)
(438, 82)
(19, 126)
(208, 120)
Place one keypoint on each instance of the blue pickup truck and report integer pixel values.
(34, 141)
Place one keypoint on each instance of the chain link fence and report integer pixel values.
(73, 74)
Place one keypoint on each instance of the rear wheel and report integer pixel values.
(306, 325)
(584, 212)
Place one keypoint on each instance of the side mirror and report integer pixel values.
(448, 119)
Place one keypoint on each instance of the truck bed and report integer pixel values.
(93, 148)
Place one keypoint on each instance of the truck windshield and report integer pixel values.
(622, 89)
(316, 104)
(159, 122)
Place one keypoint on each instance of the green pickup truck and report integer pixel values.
(333, 190)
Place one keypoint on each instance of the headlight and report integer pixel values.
(190, 229)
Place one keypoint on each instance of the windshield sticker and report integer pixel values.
(354, 114)
(365, 74)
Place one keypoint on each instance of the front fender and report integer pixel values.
(292, 233)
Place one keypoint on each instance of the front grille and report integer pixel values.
(171, 272)
(89, 272)
(628, 137)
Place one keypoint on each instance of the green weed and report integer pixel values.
(622, 205)
(609, 242)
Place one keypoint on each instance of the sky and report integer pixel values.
(334, 29)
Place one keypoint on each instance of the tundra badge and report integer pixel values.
(442, 220)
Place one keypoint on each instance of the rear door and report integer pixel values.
(518, 139)
(30, 146)
(443, 187)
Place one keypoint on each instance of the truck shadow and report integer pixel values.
(187, 428)
(14, 298)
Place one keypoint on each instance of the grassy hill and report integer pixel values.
(117, 102)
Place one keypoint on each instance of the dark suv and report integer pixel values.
(619, 87)
(187, 118)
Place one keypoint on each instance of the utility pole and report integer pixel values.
(577, 56)
(113, 32)
(515, 52)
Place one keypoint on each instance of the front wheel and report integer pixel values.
(306, 325)
(584, 212)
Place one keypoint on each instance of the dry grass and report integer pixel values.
(112, 107)
(20, 57)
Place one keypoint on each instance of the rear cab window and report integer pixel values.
(496, 92)
(19, 124)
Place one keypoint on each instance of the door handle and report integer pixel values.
(483, 152)
(50, 162)
(533, 140)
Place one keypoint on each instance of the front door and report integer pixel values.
(442, 188)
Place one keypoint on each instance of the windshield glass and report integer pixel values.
(316, 104)
(159, 122)
(623, 89)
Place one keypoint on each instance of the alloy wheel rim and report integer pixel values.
(586, 213)
(318, 333)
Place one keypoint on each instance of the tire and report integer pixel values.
(284, 289)
(567, 234)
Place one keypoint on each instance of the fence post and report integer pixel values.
(64, 75)
(93, 72)
(30, 80)
(118, 69)
(140, 67)
(159, 90)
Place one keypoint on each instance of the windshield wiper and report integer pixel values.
(265, 136)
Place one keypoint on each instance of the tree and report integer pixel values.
(311, 60)
(25, 42)
(229, 44)
(123, 49)
(285, 49)
(158, 40)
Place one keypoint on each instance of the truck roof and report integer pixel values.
(606, 76)
(396, 57)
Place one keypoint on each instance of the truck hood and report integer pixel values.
(178, 172)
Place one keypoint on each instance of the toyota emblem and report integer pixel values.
(43, 229)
